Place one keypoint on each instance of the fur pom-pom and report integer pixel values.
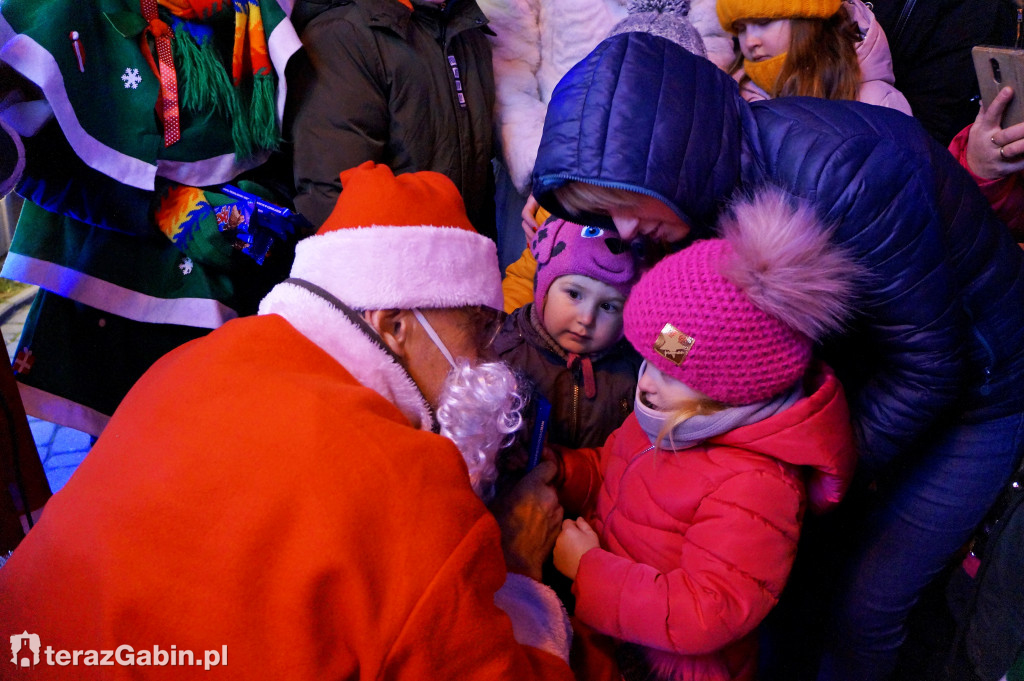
(680, 7)
(784, 261)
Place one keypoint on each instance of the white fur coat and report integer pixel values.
(538, 41)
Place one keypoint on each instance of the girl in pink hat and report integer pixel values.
(692, 508)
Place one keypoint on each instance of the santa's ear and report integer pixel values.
(393, 328)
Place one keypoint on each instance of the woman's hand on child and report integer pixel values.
(992, 151)
(529, 516)
(577, 538)
(529, 216)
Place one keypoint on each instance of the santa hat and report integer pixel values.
(735, 318)
(400, 242)
(561, 247)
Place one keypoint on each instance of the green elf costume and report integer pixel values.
(140, 121)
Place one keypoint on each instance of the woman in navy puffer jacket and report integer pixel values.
(934, 362)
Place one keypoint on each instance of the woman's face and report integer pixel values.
(762, 38)
(650, 218)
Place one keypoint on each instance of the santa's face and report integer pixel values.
(460, 333)
(478, 404)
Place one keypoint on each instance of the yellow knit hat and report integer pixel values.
(730, 11)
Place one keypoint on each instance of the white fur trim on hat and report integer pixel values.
(385, 267)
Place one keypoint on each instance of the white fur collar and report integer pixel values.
(332, 331)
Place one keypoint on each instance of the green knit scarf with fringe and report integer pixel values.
(205, 85)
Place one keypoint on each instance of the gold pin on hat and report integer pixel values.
(673, 344)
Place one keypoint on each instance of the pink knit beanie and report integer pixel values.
(735, 318)
(562, 248)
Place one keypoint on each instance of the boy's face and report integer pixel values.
(583, 315)
(651, 218)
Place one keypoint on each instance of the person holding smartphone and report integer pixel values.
(994, 156)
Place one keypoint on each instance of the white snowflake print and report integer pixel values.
(185, 265)
(131, 78)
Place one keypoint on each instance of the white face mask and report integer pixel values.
(434, 337)
(479, 410)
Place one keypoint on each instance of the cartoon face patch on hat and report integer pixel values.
(563, 248)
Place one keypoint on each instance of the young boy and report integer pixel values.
(568, 341)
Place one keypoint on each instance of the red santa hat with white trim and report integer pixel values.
(400, 242)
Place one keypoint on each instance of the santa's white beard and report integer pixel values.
(479, 410)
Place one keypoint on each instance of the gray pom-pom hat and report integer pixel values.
(664, 18)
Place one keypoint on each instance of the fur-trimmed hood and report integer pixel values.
(319, 321)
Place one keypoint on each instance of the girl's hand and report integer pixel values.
(529, 216)
(577, 538)
(994, 152)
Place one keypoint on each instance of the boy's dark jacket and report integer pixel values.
(576, 421)
(940, 328)
(378, 85)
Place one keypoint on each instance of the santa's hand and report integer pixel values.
(577, 538)
(529, 516)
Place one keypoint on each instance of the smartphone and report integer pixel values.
(997, 67)
(540, 432)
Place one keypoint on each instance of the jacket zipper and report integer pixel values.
(454, 65)
(985, 388)
(575, 410)
(634, 461)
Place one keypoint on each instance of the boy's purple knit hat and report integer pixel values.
(562, 248)
(735, 318)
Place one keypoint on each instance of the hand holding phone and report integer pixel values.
(996, 68)
(994, 151)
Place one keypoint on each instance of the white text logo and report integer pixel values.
(26, 649)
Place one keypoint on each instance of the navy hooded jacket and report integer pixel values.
(939, 333)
